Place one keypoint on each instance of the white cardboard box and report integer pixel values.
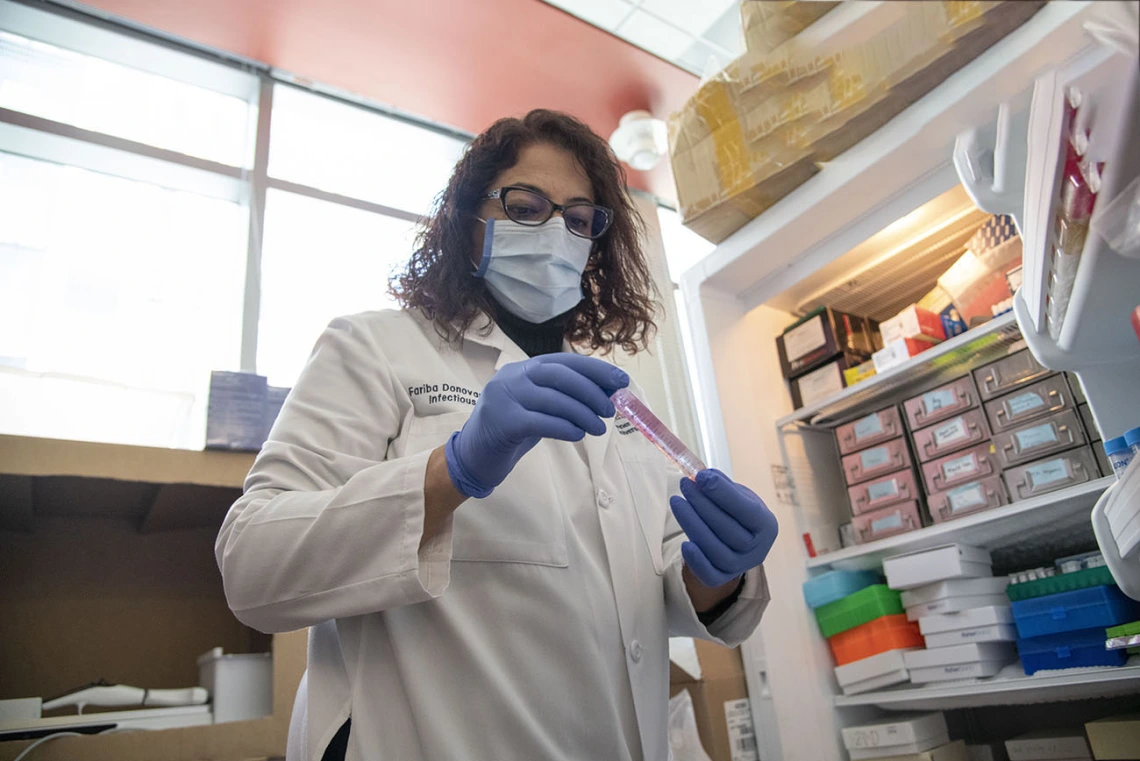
(987, 752)
(951, 561)
(1049, 745)
(966, 661)
(994, 585)
(872, 673)
(898, 751)
(954, 605)
(901, 730)
(955, 751)
(966, 619)
(989, 633)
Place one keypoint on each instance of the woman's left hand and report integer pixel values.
(730, 529)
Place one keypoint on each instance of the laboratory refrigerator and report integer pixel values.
(869, 235)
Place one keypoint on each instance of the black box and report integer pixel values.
(821, 336)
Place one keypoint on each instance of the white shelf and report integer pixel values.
(1011, 687)
(953, 357)
(1031, 520)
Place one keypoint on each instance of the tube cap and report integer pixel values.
(1112, 446)
(1132, 438)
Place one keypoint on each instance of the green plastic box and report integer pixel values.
(1062, 582)
(866, 605)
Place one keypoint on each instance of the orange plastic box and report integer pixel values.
(878, 636)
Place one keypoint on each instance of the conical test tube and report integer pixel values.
(634, 410)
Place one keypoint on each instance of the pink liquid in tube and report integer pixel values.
(632, 409)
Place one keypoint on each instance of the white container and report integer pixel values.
(872, 673)
(994, 585)
(967, 619)
(241, 686)
(900, 730)
(988, 752)
(901, 752)
(951, 561)
(1049, 745)
(991, 633)
(954, 605)
(958, 662)
(955, 751)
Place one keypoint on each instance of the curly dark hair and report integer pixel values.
(618, 308)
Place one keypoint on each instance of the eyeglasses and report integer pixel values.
(527, 207)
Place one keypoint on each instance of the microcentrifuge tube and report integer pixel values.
(635, 411)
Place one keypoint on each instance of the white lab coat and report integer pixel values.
(501, 637)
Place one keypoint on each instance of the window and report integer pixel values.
(116, 297)
(320, 260)
(47, 81)
(123, 264)
(350, 151)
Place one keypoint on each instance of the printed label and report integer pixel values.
(886, 524)
(741, 733)
(932, 401)
(953, 431)
(960, 467)
(1022, 403)
(972, 495)
(868, 426)
(1037, 436)
(871, 459)
(804, 339)
(1045, 473)
(882, 490)
(820, 383)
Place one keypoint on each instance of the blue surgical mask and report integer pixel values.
(534, 271)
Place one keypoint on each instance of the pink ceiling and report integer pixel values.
(459, 62)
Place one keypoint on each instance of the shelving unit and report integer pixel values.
(862, 235)
(1051, 518)
(1012, 688)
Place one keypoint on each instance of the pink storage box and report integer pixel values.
(879, 524)
(967, 498)
(1040, 438)
(875, 428)
(959, 432)
(941, 403)
(960, 468)
(888, 490)
(1030, 403)
(876, 461)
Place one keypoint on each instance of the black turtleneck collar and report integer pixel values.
(533, 338)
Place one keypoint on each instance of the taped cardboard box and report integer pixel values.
(720, 696)
(767, 24)
(758, 131)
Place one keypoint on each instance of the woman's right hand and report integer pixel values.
(553, 396)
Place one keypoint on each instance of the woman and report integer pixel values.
(486, 562)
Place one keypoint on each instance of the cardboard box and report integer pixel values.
(913, 322)
(898, 352)
(1115, 738)
(922, 567)
(900, 730)
(760, 129)
(955, 751)
(720, 696)
(767, 25)
(102, 587)
(1049, 745)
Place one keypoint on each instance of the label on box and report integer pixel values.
(1038, 435)
(882, 490)
(932, 401)
(741, 733)
(965, 465)
(892, 521)
(1022, 403)
(820, 383)
(804, 339)
(872, 459)
(970, 495)
(868, 426)
(1045, 473)
(953, 431)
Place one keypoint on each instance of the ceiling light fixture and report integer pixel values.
(640, 140)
